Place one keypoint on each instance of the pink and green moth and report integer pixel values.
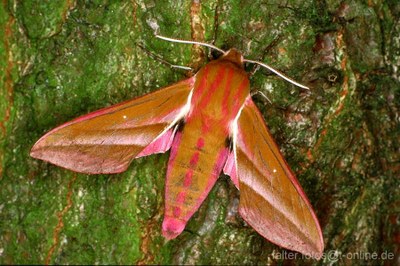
(210, 124)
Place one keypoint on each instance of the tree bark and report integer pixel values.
(62, 59)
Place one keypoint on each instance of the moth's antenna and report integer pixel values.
(244, 60)
(190, 42)
(277, 73)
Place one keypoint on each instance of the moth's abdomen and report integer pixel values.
(196, 161)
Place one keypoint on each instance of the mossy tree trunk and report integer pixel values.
(61, 59)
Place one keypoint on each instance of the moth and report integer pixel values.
(210, 124)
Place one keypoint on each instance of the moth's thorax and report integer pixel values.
(221, 88)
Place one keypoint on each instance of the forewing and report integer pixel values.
(106, 140)
(271, 199)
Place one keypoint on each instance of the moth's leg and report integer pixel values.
(160, 59)
(264, 53)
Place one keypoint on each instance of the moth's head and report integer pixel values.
(234, 56)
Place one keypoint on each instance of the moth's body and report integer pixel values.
(200, 148)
